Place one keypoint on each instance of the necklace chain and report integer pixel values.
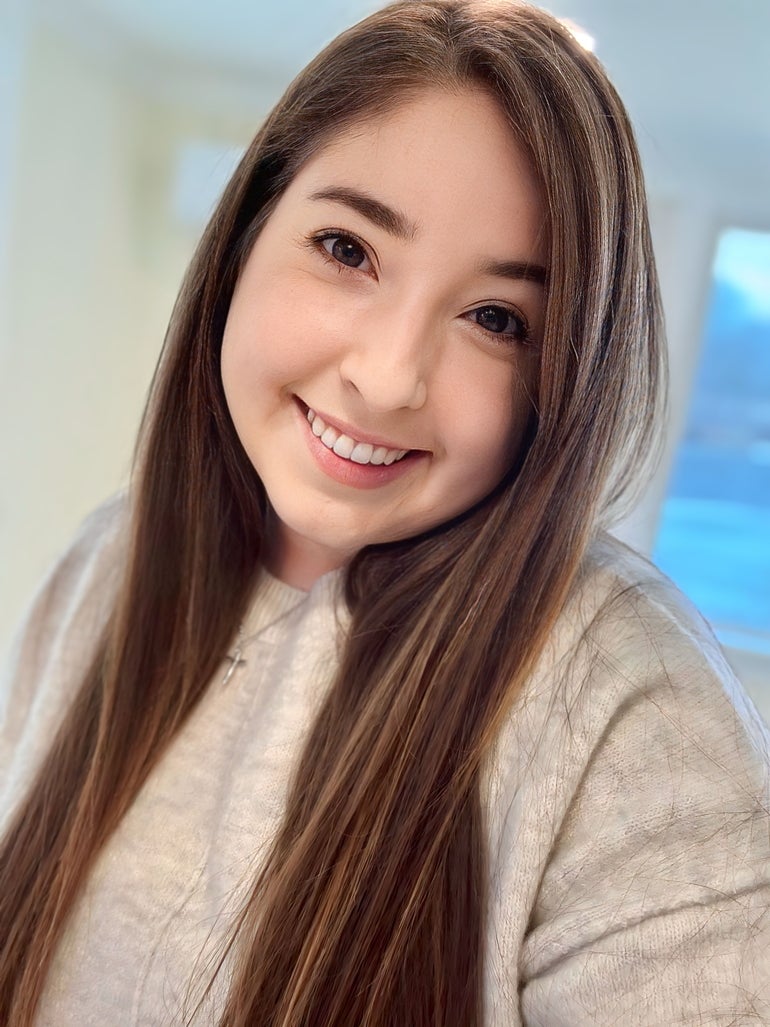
(236, 658)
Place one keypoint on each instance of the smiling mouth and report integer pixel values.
(351, 449)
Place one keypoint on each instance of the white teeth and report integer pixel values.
(329, 437)
(347, 448)
(362, 454)
(344, 446)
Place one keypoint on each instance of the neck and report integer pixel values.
(297, 561)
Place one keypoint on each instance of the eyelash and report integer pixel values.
(520, 334)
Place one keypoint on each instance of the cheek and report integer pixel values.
(491, 413)
(281, 331)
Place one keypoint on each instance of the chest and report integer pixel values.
(152, 924)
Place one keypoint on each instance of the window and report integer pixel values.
(714, 538)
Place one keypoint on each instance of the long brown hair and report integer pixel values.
(379, 920)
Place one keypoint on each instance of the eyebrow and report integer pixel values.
(396, 223)
(518, 269)
(388, 218)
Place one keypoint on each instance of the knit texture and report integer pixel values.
(627, 802)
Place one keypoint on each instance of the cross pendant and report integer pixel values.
(235, 661)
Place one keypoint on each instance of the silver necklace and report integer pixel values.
(235, 658)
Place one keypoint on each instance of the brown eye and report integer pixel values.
(494, 319)
(500, 321)
(345, 250)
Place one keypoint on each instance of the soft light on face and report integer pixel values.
(384, 330)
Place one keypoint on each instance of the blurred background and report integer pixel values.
(120, 121)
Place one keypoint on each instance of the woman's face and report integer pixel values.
(381, 343)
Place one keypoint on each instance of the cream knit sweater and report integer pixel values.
(628, 805)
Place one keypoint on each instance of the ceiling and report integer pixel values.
(695, 74)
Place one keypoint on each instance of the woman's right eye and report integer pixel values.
(344, 250)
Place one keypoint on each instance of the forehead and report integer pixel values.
(448, 160)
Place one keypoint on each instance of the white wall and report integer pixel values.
(67, 410)
(13, 48)
(97, 259)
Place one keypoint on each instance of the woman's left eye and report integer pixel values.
(344, 250)
(500, 321)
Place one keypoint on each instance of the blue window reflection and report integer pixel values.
(714, 538)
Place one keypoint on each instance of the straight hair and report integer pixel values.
(370, 908)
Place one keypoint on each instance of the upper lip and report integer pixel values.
(351, 430)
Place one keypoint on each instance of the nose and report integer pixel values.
(388, 363)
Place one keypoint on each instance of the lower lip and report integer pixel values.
(347, 472)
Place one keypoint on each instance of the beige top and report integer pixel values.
(628, 803)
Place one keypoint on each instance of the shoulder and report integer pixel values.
(633, 676)
(78, 582)
(633, 783)
(57, 637)
(620, 597)
(90, 550)
(651, 679)
(632, 740)
(631, 673)
(627, 632)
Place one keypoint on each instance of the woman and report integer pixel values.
(350, 713)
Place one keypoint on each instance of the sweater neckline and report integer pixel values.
(273, 599)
